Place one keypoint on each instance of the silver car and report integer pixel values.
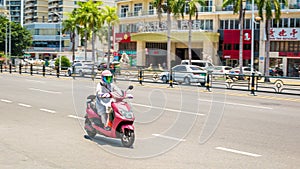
(186, 74)
(83, 68)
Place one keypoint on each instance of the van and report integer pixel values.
(201, 63)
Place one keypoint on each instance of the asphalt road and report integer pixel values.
(181, 127)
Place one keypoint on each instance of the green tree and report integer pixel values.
(238, 8)
(69, 26)
(265, 7)
(20, 37)
(90, 17)
(168, 6)
(192, 12)
(65, 62)
(109, 17)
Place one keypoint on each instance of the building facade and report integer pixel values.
(215, 35)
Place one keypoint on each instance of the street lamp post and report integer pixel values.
(252, 39)
(60, 35)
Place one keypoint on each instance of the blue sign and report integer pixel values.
(261, 58)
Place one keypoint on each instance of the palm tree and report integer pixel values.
(193, 11)
(238, 8)
(110, 17)
(89, 16)
(168, 6)
(268, 6)
(69, 25)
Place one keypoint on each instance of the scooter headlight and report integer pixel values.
(127, 114)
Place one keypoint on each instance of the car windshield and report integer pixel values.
(195, 68)
(199, 64)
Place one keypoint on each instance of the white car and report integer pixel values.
(82, 68)
(185, 74)
(221, 70)
(234, 72)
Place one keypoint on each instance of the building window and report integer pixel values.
(227, 46)
(137, 8)
(124, 10)
(151, 9)
(247, 46)
(236, 47)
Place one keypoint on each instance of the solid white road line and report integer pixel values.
(46, 91)
(6, 101)
(47, 110)
(237, 104)
(76, 117)
(238, 152)
(24, 105)
(167, 109)
(168, 137)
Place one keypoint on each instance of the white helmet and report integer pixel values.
(106, 76)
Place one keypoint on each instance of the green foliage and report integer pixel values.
(65, 62)
(20, 37)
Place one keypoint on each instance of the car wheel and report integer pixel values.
(187, 80)
(81, 73)
(164, 79)
(69, 73)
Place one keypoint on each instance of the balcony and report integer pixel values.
(294, 6)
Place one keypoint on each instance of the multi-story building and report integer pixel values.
(43, 19)
(215, 35)
(15, 8)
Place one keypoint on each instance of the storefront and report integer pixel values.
(285, 50)
(231, 46)
(126, 48)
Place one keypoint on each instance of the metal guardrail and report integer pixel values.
(251, 83)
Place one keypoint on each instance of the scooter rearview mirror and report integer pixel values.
(130, 87)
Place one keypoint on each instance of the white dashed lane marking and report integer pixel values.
(237, 104)
(238, 152)
(47, 110)
(76, 117)
(168, 137)
(167, 109)
(24, 105)
(6, 101)
(45, 91)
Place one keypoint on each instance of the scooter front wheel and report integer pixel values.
(127, 138)
(93, 133)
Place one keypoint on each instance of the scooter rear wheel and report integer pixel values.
(127, 138)
(93, 133)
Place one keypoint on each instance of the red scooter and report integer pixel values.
(121, 118)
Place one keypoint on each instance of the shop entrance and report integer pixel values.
(293, 67)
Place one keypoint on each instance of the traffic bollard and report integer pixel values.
(44, 70)
(171, 79)
(10, 68)
(73, 72)
(57, 72)
(207, 84)
(141, 77)
(252, 84)
(31, 69)
(20, 68)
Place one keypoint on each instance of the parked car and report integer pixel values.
(234, 72)
(82, 68)
(185, 74)
(206, 65)
(221, 70)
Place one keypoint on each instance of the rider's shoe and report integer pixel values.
(107, 128)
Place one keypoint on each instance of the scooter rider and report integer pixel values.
(104, 87)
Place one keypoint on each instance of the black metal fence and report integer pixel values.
(251, 83)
